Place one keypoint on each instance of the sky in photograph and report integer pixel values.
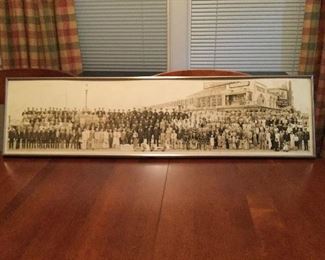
(120, 94)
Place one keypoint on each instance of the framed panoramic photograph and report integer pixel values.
(160, 116)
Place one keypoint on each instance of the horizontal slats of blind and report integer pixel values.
(123, 35)
(252, 35)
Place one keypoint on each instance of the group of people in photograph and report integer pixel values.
(160, 129)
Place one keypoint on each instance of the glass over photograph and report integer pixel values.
(160, 117)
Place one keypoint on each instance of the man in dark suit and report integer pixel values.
(140, 134)
(51, 138)
(300, 135)
(306, 137)
(18, 138)
(23, 137)
(11, 137)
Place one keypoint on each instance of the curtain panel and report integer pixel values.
(312, 61)
(39, 34)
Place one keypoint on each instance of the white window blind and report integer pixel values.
(246, 35)
(123, 35)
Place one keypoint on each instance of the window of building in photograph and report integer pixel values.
(213, 101)
(219, 100)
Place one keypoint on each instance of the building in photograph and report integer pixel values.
(235, 95)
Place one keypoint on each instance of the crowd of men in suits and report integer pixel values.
(150, 129)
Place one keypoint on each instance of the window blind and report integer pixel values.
(123, 35)
(246, 35)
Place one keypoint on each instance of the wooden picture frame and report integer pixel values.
(264, 116)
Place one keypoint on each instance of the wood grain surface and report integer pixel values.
(73, 208)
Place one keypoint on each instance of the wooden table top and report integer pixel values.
(68, 208)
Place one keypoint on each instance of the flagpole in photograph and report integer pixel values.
(86, 99)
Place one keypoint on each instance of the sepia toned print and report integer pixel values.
(160, 117)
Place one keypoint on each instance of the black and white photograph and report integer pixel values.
(240, 116)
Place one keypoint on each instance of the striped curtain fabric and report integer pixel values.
(312, 61)
(39, 34)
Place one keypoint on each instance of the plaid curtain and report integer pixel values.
(312, 61)
(39, 34)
